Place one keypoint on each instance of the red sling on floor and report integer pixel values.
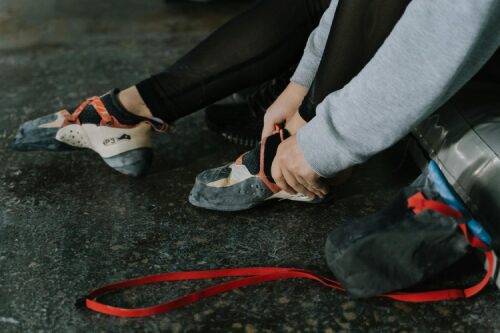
(252, 276)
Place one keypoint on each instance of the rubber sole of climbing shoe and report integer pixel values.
(232, 188)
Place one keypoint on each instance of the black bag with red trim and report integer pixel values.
(420, 234)
(395, 248)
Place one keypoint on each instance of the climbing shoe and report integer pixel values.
(101, 124)
(244, 184)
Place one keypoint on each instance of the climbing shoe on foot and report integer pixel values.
(244, 184)
(101, 124)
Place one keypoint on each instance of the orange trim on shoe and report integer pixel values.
(72, 118)
(239, 160)
(106, 118)
(100, 108)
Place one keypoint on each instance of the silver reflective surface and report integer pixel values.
(464, 139)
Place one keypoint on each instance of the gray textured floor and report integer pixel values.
(69, 224)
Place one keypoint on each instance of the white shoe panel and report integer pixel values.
(106, 141)
(74, 135)
(282, 195)
(238, 174)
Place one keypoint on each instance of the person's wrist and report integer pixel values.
(294, 123)
(294, 94)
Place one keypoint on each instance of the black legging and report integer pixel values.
(358, 30)
(264, 42)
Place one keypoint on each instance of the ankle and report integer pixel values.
(133, 102)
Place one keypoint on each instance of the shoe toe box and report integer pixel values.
(37, 134)
(213, 190)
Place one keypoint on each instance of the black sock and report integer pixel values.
(114, 107)
(252, 159)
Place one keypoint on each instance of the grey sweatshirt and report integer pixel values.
(434, 49)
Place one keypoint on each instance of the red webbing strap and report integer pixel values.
(254, 276)
(447, 294)
(257, 275)
(418, 203)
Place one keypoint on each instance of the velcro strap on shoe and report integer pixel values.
(100, 108)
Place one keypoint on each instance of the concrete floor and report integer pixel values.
(69, 224)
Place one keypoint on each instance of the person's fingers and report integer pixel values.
(320, 186)
(282, 183)
(279, 179)
(268, 128)
(311, 187)
(295, 184)
(320, 191)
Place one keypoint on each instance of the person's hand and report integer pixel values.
(285, 106)
(292, 173)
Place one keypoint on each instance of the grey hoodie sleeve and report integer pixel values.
(308, 65)
(434, 49)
